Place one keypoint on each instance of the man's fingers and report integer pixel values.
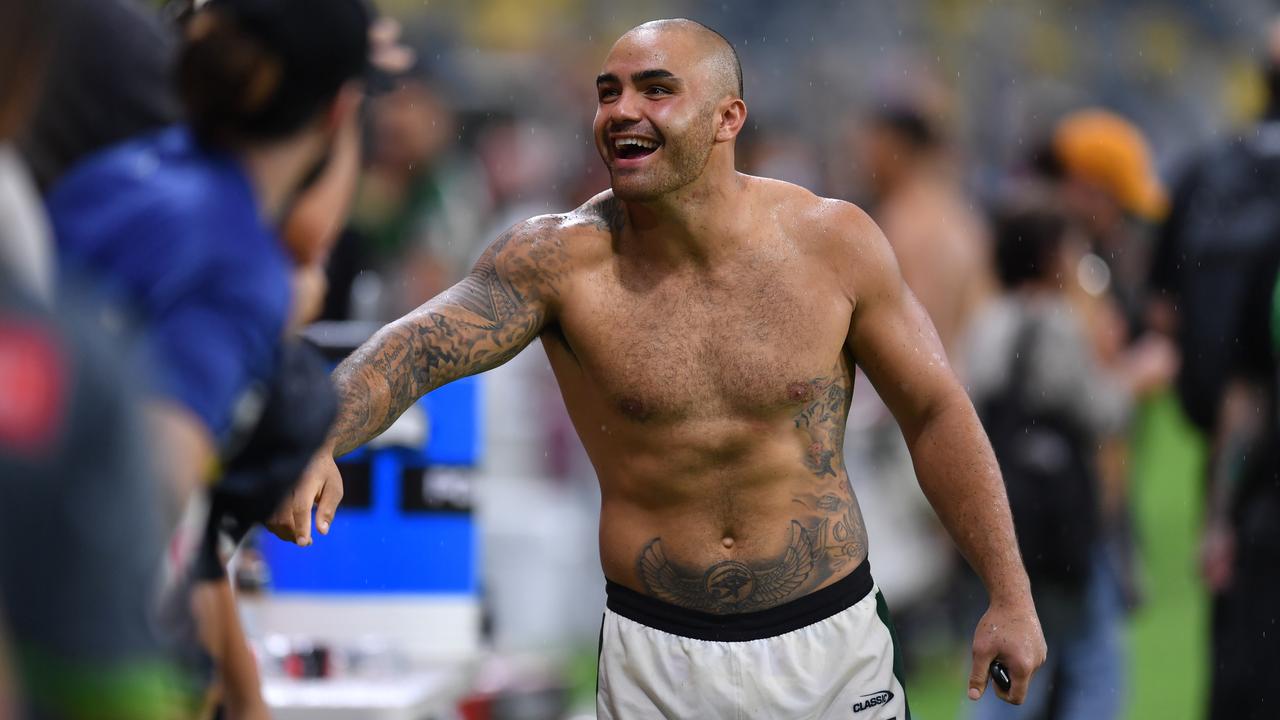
(1013, 636)
(300, 506)
(327, 505)
(281, 524)
(978, 674)
(1020, 674)
(292, 521)
(300, 513)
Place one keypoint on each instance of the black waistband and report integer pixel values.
(741, 627)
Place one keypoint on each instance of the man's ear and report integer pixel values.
(732, 117)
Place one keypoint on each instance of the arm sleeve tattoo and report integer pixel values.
(478, 324)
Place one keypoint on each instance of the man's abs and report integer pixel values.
(728, 515)
(738, 503)
(737, 544)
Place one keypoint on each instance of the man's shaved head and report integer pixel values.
(721, 54)
(670, 93)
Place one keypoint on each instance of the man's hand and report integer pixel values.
(1011, 634)
(321, 485)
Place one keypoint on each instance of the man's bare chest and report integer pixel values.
(676, 348)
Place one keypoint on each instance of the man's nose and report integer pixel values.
(627, 109)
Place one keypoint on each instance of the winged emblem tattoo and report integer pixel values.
(732, 586)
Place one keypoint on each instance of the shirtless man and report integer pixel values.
(703, 326)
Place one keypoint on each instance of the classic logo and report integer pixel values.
(875, 699)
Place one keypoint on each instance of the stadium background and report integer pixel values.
(499, 125)
(997, 74)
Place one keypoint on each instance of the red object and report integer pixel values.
(33, 386)
(476, 707)
(293, 666)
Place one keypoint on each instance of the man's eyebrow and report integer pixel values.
(656, 74)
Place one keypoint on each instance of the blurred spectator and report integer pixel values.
(418, 211)
(1216, 271)
(214, 305)
(1103, 173)
(1047, 404)
(81, 511)
(80, 533)
(184, 244)
(1099, 170)
(940, 239)
(109, 79)
(943, 249)
(1217, 256)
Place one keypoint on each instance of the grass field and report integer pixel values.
(1168, 633)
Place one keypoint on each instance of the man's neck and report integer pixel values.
(695, 223)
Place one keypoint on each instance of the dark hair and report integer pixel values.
(733, 51)
(257, 70)
(737, 61)
(26, 34)
(909, 124)
(1027, 238)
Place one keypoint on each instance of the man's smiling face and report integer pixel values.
(655, 121)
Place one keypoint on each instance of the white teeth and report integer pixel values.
(636, 142)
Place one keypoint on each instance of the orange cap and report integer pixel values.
(1109, 151)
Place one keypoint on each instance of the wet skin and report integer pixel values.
(711, 400)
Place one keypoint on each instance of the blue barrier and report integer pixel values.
(396, 544)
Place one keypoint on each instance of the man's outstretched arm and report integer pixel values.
(896, 345)
(478, 324)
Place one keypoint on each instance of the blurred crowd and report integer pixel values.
(1084, 197)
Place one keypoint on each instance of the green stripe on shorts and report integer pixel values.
(882, 610)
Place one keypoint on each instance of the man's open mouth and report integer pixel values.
(633, 148)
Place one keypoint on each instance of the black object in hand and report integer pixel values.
(1000, 675)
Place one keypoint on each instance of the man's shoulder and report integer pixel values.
(825, 224)
(799, 204)
(602, 216)
(583, 231)
(838, 236)
(545, 250)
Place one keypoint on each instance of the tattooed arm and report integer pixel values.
(478, 324)
(895, 343)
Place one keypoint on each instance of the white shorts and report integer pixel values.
(830, 654)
